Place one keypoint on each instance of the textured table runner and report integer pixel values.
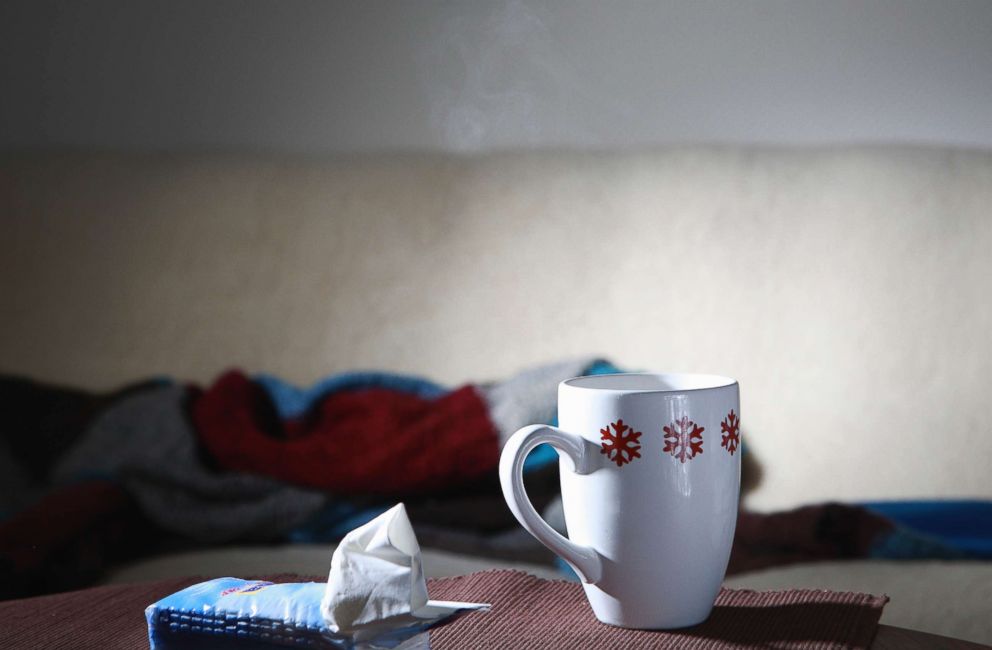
(527, 612)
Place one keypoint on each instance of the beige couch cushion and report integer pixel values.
(847, 289)
(946, 598)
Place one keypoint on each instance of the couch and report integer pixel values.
(847, 288)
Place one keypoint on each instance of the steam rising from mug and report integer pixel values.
(499, 78)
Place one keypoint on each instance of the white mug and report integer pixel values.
(650, 479)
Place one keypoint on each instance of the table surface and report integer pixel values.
(891, 638)
(23, 623)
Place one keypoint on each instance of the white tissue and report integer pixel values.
(377, 584)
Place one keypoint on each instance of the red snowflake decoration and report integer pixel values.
(683, 439)
(731, 426)
(620, 446)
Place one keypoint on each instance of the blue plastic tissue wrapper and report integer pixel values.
(252, 614)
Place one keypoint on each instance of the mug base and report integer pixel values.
(655, 624)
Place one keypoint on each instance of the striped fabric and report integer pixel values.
(538, 614)
(527, 612)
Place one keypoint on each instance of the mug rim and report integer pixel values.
(693, 382)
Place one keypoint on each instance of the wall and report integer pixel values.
(847, 290)
(355, 76)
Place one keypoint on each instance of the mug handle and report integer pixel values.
(585, 560)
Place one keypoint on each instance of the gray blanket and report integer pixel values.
(147, 443)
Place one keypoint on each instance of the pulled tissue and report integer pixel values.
(377, 580)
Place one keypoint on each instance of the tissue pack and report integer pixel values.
(230, 613)
(375, 597)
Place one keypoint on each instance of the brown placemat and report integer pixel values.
(111, 617)
(538, 614)
(527, 612)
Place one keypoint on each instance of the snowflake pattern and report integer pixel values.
(622, 445)
(683, 439)
(731, 427)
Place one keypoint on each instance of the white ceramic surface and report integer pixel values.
(651, 525)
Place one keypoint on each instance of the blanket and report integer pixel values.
(257, 458)
(147, 444)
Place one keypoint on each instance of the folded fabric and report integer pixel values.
(472, 520)
(840, 531)
(936, 529)
(68, 538)
(807, 534)
(148, 444)
(531, 397)
(145, 440)
(18, 487)
(335, 519)
(373, 441)
(40, 421)
(832, 531)
(292, 401)
(525, 398)
(528, 612)
(262, 459)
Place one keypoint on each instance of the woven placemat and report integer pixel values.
(538, 614)
(527, 612)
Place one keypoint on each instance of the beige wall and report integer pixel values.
(848, 290)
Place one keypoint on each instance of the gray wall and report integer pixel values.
(345, 76)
